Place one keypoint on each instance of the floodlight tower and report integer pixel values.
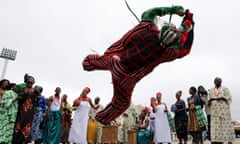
(7, 54)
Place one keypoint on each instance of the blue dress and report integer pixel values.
(37, 130)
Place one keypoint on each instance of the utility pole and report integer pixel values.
(7, 54)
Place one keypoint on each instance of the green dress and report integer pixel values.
(8, 114)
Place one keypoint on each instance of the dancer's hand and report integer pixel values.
(188, 15)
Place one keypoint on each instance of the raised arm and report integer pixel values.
(187, 37)
(182, 44)
(150, 14)
(91, 104)
(153, 104)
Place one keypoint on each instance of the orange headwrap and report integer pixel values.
(159, 94)
(146, 110)
(86, 89)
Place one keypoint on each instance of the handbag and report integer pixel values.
(170, 120)
(200, 116)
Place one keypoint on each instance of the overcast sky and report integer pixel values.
(53, 36)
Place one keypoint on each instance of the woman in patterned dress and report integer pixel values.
(39, 111)
(8, 111)
(180, 118)
(193, 126)
(66, 110)
(25, 113)
(219, 100)
(143, 134)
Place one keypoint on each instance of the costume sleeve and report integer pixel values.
(186, 39)
(150, 14)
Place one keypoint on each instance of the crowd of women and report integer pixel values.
(26, 116)
(189, 117)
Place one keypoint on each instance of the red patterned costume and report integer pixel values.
(137, 53)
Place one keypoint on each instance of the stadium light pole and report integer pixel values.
(7, 54)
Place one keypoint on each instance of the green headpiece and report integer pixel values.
(40, 88)
(175, 9)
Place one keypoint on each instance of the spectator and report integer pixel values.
(180, 118)
(219, 102)
(162, 133)
(23, 125)
(193, 124)
(66, 110)
(8, 111)
(39, 111)
(98, 130)
(78, 130)
(203, 94)
(143, 130)
(52, 131)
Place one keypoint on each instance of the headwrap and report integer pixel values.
(20, 87)
(159, 94)
(31, 78)
(218, 79)
(39, 87)
(86, 89)
(179, 92)
(26, 77)
(145, 109)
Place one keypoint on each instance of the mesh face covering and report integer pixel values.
(169, 36)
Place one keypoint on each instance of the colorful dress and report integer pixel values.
(162, 131)
(143, 134)
(40, 109)
(52, 131)
(221, 126)
(133, 57)
(181, 120)
(8, 114)
(66, 109)
(192, 117)
(94, 130)
(24, 120)
(78, 130)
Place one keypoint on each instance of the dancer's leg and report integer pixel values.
(123, 85)
(120, 102)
